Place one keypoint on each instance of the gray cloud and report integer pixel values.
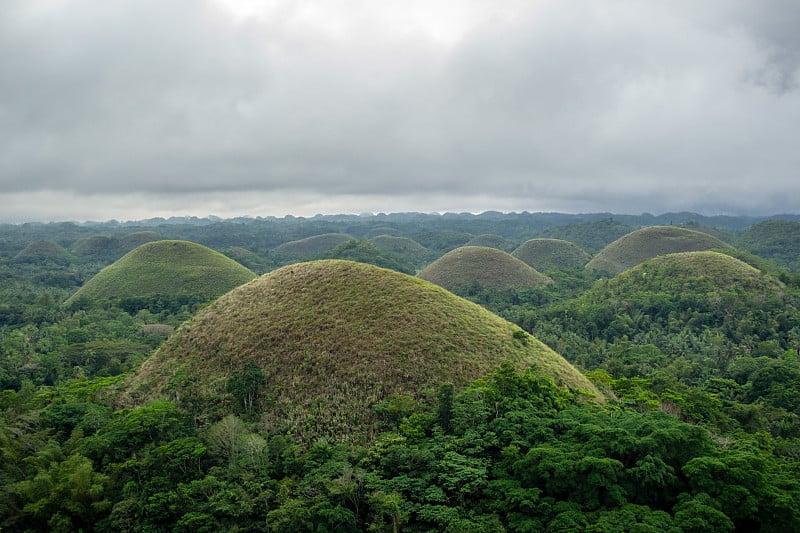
(609, 105)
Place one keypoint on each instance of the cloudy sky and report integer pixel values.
(128, 109)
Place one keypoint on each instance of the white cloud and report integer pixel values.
(552, 105)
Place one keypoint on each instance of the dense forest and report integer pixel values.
(697, 355)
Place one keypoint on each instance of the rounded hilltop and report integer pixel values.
(694, 272)
(310, 247)
(552, 254)
(646, 243)
(165, 268)
(488, 267)
(334, 338)
(491, 240)
(43, 250)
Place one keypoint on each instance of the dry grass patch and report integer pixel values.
(488, 267)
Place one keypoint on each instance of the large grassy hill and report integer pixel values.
(640, 245)
(310, 247)
(488, 267)
(552, 254)
(165, 268)
(334, 339)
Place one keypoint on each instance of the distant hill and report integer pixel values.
(383, 230)
(248, 259)
(366, 252)
(692, 272)
(165, 268)
(333, 339)
(552, 254)
(441, 241)
(491, 241)
(406, 248)
(310, 247)
(128, 242)
(645, 243)
(593, 236)
(488, 267)
(778, 240)
(98, 247)
(43, 251)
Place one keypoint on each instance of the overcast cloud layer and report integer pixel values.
(135, 108)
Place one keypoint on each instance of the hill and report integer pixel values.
(128, 242)
(687, 272)
(98, 247)
(383, 230)
(491, 241)
(333, 339)
(778, 240)
(488, 267)
(693, 314)
(310, 247)
(640, 245)
(441, 241)
(552, 254)
(366, 252)
(408, 249)
(165, 269)
(593, 236)
(43, 251)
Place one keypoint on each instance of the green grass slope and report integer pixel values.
(778, 240)
(491, 241)
(310, 247)
(165, 268)
(488, 267)
(686, 272)
(334, 338)
(552, 254)
(43, 251)
(646, 243)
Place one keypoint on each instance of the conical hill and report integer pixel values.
(640, 245)
(333, 339)
(165, 268)
(687, 272)
(552, 254)
(43, 251)
(311, 247)
(488, 267)
(491, 240)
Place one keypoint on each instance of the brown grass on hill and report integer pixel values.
(334, 338)
(645, 243)
(488, 267)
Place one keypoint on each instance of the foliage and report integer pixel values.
(367, 252)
